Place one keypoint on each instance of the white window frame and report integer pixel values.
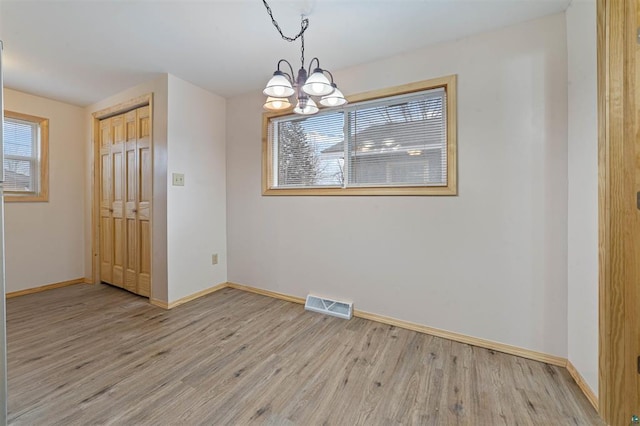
(39, 161)
(448, 83)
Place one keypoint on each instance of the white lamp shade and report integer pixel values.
(279, 86)
(310, 108)
(277, 104)
(333, 99)
(317, 84)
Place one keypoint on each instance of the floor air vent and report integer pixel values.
(329, 307)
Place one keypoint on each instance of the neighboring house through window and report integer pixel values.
(399, 141)
(25, 157)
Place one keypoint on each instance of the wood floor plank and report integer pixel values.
(94, 354)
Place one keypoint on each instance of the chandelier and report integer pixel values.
(308, 87)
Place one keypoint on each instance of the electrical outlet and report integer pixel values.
(178, 179)
(214, 259)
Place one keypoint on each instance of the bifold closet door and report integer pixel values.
(125, 201)
(106, 228)
(112, 201)
(144, 194)
(131, 203)
(137, 171)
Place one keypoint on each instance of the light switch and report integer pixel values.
(178, 179)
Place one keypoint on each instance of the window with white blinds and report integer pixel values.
(398, 144)
(24, 141)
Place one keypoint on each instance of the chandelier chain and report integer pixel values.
(302, 49)
(303, 25)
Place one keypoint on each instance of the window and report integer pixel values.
(398, 141)
(25, 157)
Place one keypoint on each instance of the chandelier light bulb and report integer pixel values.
(308, 109)
(336, 98)
(276, 104)
(279, 86)
(317, 84)
(329, 101)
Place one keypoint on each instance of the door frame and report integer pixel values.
(618, 216)
(117, 109)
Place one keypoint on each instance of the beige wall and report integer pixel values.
(583, 191)
(45, 241)
(196, 212)
(159, 212)
(491, 262)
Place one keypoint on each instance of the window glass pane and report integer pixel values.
(305, 151)
(401, 143)
(19, 138)
(18, 175)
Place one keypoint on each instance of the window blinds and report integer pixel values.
(399, 142)
(395, 141)
(20, 155)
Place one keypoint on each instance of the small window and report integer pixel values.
(25, 157)
(400, 141)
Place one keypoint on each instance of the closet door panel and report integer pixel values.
(144, 192)
(131, 207)
(106, 240)
(117, 202)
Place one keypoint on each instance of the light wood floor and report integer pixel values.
(98, 355)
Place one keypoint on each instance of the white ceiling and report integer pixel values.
(84, 51)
